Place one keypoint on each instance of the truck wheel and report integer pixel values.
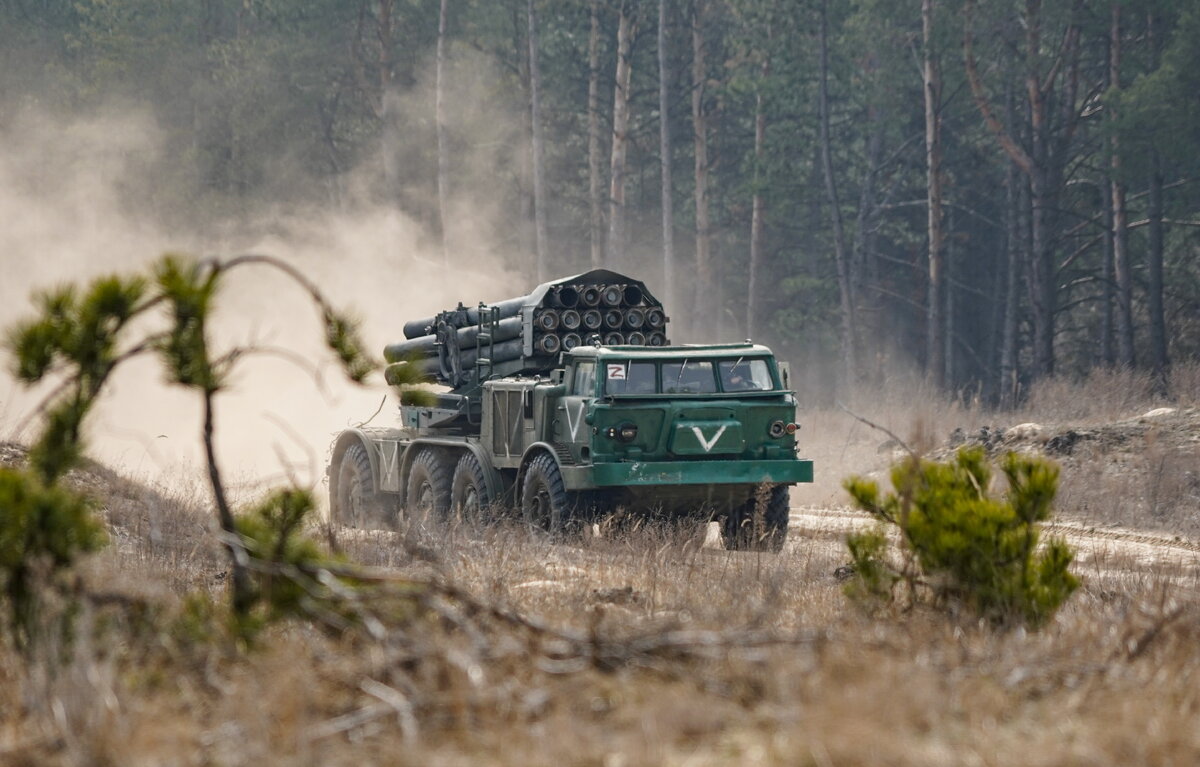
(742, 531)
(468, 491)
(545, 503)
(356, 503)
(428, 487)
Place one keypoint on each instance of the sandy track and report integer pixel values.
(1105, 553)
(1108, 551)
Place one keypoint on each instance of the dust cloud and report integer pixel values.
(78, 200)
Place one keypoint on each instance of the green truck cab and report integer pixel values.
(698, 432)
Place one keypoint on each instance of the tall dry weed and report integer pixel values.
(1104, 394)
(1183, 384)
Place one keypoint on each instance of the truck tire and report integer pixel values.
(545, 503)
(356, 503)
(741, 531)
(428, 497)
(468, 490)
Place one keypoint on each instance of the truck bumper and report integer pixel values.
(644, 473)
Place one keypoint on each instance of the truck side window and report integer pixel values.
(584, 384)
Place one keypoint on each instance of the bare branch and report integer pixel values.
(1014, 150)
(883, 429)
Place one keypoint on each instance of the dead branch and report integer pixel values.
(883, 429)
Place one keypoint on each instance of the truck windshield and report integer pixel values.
(689, 377)
(745, 375)
(630, 378)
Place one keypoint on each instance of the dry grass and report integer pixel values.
(833, 686)
(644, 647)
(1109, 395)
(1133, 472)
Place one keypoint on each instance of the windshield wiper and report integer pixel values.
(679, 377)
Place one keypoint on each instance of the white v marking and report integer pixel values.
(707, 444)
(573, 423)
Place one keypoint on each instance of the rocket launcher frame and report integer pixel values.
(465, 346)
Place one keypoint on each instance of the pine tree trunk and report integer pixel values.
(702, 308)
(1108, 333)
(595, 184)
(1120, 235)
(620, 139)
(664, 142)
(1040, 279)
(539, 173)
(842, 262)
(948, 329)
(1041, 269)
(862, 264)
(443, 151)
(756, 205)
(934, 325)
(1042, 163)
(1012, 282)
(1159, 360)
(389, 104)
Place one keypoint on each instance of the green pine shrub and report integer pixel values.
(284, 578)
(77, 338)
(45, 526)
(961, 545)
(43, 530)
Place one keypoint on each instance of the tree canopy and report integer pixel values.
(986, 192)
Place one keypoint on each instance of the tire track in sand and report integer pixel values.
(1104, 551)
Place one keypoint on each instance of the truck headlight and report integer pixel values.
(626, 432)
(779, 428)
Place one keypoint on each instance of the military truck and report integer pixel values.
(570, 403)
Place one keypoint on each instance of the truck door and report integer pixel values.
(510, 422)
(570, 428)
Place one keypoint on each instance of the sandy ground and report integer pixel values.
(1106, 552)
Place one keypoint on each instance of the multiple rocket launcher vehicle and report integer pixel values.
(568, 404)
(526, 334)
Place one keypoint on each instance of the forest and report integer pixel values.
(984, 194)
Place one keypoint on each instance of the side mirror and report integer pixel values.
(785, 373)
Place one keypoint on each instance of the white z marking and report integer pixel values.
(573, 423)
(705, 443)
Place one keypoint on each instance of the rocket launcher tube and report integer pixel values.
(612, 295)
(564, 296)
(546, 319)
(465, 317)
(570, 319)
(431, 368)
(504, 352)
(467, 337)
(593, 319)
(394, 373)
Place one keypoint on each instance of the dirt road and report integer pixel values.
(1099, 551)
